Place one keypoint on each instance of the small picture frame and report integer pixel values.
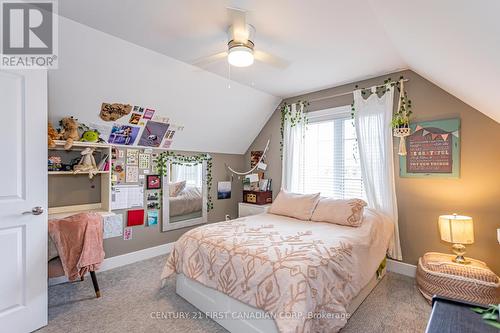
(153, 182)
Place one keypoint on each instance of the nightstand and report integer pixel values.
(438, 275)
(246, 209)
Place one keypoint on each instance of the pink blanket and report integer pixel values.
(78, 239)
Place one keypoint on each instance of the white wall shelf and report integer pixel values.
(105, 177)
(71, 173)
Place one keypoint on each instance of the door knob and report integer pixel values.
(35, 211)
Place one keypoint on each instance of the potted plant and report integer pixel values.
(401, 120)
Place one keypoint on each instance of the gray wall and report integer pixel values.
(420, 201)
(144, 237)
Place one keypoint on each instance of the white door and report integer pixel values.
(23, 186)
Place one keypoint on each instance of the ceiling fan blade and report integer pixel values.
(270, 59)
(238, 24)
(205, 61)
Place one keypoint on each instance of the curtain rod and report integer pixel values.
(347, 93)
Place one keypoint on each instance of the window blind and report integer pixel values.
(330, 162)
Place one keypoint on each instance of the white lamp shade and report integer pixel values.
(456, 229)
(240, 56)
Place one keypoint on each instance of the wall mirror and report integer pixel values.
(184, 195)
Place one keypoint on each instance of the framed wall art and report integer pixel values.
(433, 150)
(153, 182)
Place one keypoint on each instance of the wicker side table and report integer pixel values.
(437, 274)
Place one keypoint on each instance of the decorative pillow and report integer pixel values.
(175, 188)
(344, 212)
(299, 206)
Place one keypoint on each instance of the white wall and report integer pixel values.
(95, 67)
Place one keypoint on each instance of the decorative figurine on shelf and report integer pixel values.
(69, 131)
(52, 134)
(90, 136)
(87, 163)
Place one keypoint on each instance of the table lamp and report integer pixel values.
(458, 230)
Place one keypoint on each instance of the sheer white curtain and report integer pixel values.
(192, 174)
(372, 120)
(293, 151)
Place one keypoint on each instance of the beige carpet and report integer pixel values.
(131, 293)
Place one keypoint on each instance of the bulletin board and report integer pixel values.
(433, 150)
(138, 204)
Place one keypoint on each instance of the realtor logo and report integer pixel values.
(29, 38)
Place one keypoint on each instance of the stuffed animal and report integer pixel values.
(86, 163)
(69, 131)
(52, 134)
(90, 136)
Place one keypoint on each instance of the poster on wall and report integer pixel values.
(114, 111)
(112, 226)
(153, 134)
(433, 150)
(223, 190)
(123, 135)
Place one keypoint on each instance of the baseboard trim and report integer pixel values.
(130, 258)
(402, 268)
(124, 259)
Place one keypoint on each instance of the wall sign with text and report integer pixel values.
(433, 150)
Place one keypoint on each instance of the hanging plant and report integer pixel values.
(187, 160)
(401, 118)
(297, 117)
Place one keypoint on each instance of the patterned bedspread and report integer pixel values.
(302, 273)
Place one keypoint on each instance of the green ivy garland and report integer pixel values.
(401, 117)
(295, 118)
(188, 160)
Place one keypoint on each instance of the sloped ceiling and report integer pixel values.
(95, 67)
(453, 43)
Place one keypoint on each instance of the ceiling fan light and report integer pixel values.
(240, 56)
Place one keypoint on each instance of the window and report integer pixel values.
(330, 160)
(192, 174)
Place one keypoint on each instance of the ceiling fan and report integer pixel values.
(241, 51)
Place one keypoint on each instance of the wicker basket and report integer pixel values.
(475, 282)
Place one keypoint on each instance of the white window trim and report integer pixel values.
(329, 114)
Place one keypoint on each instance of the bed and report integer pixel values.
(270, 273)
(188, 201)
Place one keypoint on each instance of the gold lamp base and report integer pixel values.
(459, 250)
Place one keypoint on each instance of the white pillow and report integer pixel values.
(344, 212)
(299, 206)
(175, 188)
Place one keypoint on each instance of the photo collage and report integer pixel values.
(137, 126)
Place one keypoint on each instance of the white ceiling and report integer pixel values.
(326, 44)
(453, 43)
